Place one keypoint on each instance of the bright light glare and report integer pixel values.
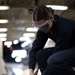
(58, 7)
(29, 34)
(8, 46)
(26, 43)
(30, 29)
(3, 39)
(3, 29)
(3, 21)
(17, 71)
(3, 34)
(24, 38)
(19, 53)
(8, 43)
(18, 59)
(15, 42)
(4, 7)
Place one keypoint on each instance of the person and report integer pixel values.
(57, 60)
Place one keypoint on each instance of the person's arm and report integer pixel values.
(63, 40)
(38, 44)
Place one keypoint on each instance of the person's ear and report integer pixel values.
(52, 18)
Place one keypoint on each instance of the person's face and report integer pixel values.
(43, 25)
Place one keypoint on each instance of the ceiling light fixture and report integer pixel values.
(24, 38)
(3, 39)
(3, 21)
(15, 42)
(4, 7)
(3, 35)
(29, 34)
(8, 43)
(3, 29)
(30, 29)
(57, 7)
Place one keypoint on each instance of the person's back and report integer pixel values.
(64, 27)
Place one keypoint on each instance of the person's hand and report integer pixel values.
(31, 72)
(36, 72)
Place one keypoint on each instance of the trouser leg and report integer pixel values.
(61, 63)
(42, 56)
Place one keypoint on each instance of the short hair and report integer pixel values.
(42, 12)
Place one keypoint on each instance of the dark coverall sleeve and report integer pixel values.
(63, 40)
(38, 44)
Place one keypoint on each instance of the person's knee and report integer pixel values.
(54, 62)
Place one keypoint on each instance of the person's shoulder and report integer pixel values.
(63, 17)
(56, 16)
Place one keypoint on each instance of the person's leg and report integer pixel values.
(61, 63)
(42, 56)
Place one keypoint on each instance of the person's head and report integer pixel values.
(43, 18)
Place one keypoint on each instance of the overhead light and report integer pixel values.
(3, 39)
(3, 34)
(31, 29)
(15, 42)
(57, 7)
(27, 42)
(24, 38)
(3, 29)
(19, 53)
(18, 59)
(3, 21)
(4, 7)
(8, 43)
(29, 34)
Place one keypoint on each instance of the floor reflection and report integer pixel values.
(17, 69)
